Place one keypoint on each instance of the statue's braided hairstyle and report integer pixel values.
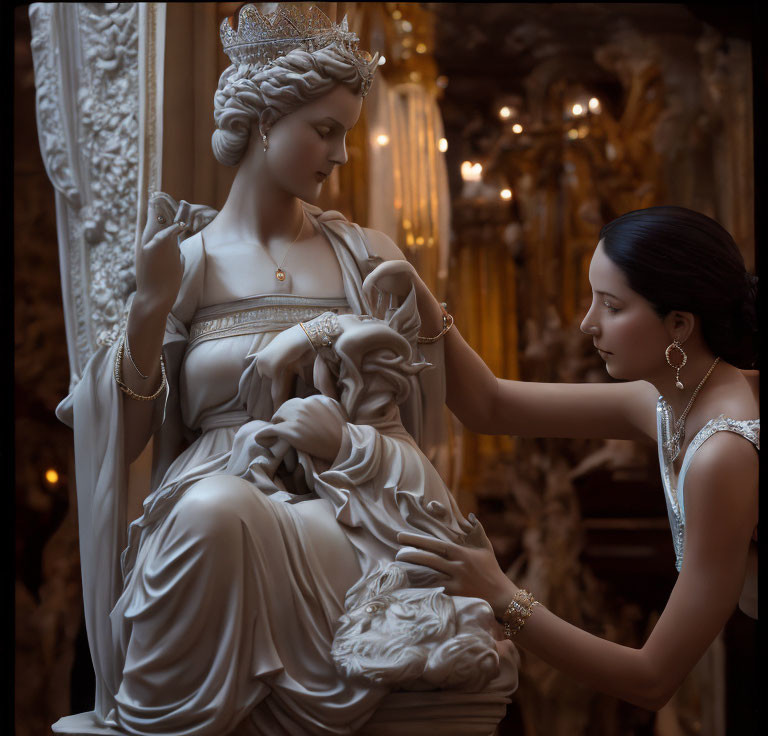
(247, 93)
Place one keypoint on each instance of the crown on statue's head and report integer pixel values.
(260, 39)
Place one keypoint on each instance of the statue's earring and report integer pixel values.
(264, 141)
(676, 346)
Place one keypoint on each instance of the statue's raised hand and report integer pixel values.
(159, 268)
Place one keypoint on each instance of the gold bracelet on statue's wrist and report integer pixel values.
(124, 388)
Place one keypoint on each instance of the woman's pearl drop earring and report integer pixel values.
(684, 359)
(264, 141)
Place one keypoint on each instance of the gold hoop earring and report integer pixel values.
(265, 141)
(676, 346)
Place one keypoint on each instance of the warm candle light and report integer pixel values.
(573, 134)
(421, 48)
(505, 194)
(52, 476)
(504, 113)
(594, 104)
(470, 171)
(517, 128)
(577, 109)
(442, 145)
(382, 139)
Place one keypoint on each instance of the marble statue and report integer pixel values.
(272, 356)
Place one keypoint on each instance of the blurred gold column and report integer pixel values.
(409, 198)
(484, 292)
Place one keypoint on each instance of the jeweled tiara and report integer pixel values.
(260, 39)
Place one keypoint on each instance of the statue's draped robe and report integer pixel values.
(218, 603)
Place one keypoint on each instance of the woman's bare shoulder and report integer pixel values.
(724, 471)
(753, 380)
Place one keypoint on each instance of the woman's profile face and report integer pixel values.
(629, 335)
(307, 144)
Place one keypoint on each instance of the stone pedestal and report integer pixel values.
(400, 714)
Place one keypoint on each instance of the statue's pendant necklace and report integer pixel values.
(672, 438)
(280, 274)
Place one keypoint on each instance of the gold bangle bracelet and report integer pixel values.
(124, 388)
(127, 351)
(447, 324)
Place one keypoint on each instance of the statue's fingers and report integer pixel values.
(159, 216)
(281, 389)
(183, 213)
(425, 559)
(154, 237)
(267, 436)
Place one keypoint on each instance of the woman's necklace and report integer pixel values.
(674, 439)
(280, 274)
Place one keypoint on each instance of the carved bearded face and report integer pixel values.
(307, 144)
(629, 335)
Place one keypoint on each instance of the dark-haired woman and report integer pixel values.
(673, 314)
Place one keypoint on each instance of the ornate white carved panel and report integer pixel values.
(90, 78)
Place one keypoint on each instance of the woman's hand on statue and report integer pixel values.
(472, 569)
(159, 269)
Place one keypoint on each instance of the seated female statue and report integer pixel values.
(216, 611)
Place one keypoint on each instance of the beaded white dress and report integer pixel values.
(675, 496)
(216, 612)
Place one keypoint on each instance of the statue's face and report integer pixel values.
(307, 144)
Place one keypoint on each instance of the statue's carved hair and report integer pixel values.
(392, 634)
(247, 93)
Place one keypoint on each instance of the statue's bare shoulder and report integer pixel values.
(382, 245)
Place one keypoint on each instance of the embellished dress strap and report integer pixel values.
(675, 494)
(749, 429)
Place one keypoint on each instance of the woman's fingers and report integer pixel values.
(426, 559)
(438, 546)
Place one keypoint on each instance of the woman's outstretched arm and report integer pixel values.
(721, 510)
(490, 405)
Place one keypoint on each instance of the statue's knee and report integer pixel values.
(213, 507)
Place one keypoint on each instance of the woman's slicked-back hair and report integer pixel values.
(681, 260)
